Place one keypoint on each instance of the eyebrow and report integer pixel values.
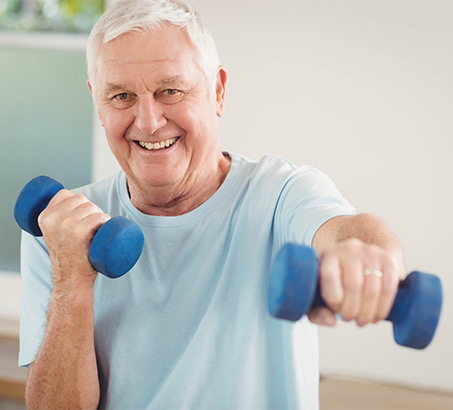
(170, 81)
(115, 87)
(110, 87)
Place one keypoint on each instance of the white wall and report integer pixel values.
(362, 90)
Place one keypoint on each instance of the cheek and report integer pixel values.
(115, 123)
(197, 120)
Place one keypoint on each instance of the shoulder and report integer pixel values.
(102, 191)
(278, 172)
(274, 180)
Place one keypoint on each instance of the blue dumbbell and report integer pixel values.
(116, 246)
(294, 290)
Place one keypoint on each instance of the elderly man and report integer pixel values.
(187, 327)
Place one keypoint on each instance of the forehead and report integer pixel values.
(164, 52)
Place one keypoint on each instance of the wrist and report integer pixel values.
(74, 292)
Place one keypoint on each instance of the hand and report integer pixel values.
(69, 224)
(348, 291)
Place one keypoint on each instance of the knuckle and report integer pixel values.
(95, 220)
(41, 218)
(352, 247)
(353, 243)
(48, 219)
(88, 207)
(61, 195)
(80, 197)
(389, 261)
(374, 254)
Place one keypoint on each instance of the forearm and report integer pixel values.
(64, 373)
(367, 228)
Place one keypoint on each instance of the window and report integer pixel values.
(76, 16)
(46, 115)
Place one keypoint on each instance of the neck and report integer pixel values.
(184, 196)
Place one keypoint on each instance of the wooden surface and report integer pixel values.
(337, 393)
(12, 390)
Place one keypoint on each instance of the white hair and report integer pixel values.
(127, 16)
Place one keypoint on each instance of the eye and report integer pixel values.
(122, 100)
(121, 97)
(169, 96)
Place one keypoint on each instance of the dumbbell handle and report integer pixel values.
(116, 246)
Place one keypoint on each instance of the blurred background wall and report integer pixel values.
(360, 89)
(363, 91)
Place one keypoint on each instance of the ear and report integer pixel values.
(220, 90)
(90, 87)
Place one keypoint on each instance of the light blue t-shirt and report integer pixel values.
(188, 326)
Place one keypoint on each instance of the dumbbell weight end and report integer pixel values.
(416, 310)
(116, 247)
(32, 200)
(293, 282)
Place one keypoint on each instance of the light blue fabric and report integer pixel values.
(188, 326)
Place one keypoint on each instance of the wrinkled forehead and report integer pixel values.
(148, 49)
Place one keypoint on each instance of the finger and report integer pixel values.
(353, 285)
(85, 210)
(371, 295)
(330, 282)
(322, 316)
(94, 221)
(63, 202)
(60, 197)
(390, 281)
(84, 220)
(68, 206)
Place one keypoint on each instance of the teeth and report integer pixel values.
(157, 145)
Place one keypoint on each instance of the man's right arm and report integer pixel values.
(64, 372)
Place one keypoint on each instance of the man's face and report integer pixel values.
(159, 116)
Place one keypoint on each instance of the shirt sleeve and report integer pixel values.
(308, 200)
(36, 282)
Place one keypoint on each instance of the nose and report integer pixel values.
(149, 117)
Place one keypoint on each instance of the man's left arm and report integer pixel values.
(361, 265)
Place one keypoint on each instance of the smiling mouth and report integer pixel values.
(155, 146)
